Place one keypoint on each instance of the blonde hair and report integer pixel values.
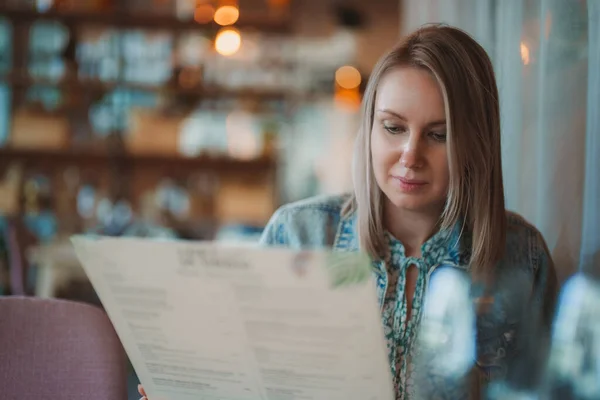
(476, 193)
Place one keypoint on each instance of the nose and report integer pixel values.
(411, 153)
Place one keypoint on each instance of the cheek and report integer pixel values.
(441, 171)
(383, 155)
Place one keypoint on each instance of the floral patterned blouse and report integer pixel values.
(400, 330)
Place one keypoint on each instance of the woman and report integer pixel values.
(429, 193)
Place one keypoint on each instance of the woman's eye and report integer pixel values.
(438, 136)
(393, 129)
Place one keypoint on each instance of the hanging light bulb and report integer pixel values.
(348, 99)
(347, 87)
(348, 77)
(227, 15)
(228, 41)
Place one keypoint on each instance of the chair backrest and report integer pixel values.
(60, 350)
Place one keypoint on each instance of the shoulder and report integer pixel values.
(325, 204)
(525, 243)
(524, 293)
(527, 268)
(311, 222)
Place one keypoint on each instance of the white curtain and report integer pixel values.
(547, 60)
(590, 248)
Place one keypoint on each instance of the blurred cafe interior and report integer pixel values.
(191, 119)
(197, 119)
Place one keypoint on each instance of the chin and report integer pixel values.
(409, 202)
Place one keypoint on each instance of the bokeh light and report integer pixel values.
(228, 41)
(242, 134)
(525, 53)
(226, 15)
(348, 77)
(204, 13)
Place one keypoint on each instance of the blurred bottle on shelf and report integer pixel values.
(204, 131)
(147, 57)
(147, 224)
(6, 38)
(5, 45)
(97, 54)
(184, 9)
(244, 139)
(39, 216)
(10, 189)
(113, 217)
(174, 198)
(270, 136)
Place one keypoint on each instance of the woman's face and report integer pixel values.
(408, 141)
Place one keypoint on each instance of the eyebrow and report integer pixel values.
(403, 118)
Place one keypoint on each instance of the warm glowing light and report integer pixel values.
(525, 53)
(228, 41)
(348, 77)
(348, 99)
(204, 13)
(227, 15)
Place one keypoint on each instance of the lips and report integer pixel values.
(407, 181)
(409, 186)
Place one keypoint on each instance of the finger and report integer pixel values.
(141, 390)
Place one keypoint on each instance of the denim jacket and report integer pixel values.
(509, 348)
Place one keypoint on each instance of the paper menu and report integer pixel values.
(210, 321)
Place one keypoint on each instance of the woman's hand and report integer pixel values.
(142, 392)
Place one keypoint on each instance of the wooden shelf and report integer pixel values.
(120, 19)
(104, 159)
(211, 92)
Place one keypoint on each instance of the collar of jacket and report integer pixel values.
(455, 243)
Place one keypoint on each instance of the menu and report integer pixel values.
(205, 320)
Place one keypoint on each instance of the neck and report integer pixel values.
(411, 228)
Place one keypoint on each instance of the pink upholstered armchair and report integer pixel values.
(58, 350)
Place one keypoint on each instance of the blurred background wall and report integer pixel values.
(196, 119)
(193, 119)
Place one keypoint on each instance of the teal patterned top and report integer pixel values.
(400, 331)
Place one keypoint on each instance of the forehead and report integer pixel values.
(411, 92)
